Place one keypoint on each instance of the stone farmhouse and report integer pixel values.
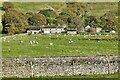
(95, 30)
(48, 29)
(53, 29)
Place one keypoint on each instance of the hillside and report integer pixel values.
(96, 9)
(93, 9)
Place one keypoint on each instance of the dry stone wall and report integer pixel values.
(59, 66)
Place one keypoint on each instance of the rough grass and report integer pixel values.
(95, 9)
(37, 6)
(61, 47)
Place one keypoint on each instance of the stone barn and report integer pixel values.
(34, 30)
(72, 31)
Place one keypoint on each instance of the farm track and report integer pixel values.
(13, 35)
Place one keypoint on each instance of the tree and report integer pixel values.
(92, 21)
(48, 13)
(7, 5)
(109, 21)
(76, 14)
(59, 21)
(37, 19)
(13, 22)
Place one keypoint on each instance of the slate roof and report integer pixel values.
(34, 28)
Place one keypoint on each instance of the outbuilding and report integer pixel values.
(34, 30)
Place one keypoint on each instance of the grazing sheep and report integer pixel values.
(21, 41)
(107, 35)
(51, 44)
(37, 43)
(4, 38)
(72, 41)
(64, 34)
(30, 42)
(69, 42)
(13, 38)
(33, 41)
(8, 41)
(98, 41)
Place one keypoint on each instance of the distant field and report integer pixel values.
(58, 45)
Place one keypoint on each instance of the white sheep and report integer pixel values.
(30, 42)
(4, 38)
(8, 41)
(72, 41)
(33, 41)
(21, 41)
(69, 42)
(13, 38)
(37, 43)
(98, 41)
(51, 44)
(64, 34)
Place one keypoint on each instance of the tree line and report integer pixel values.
(74, 15)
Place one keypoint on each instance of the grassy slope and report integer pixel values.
(96, 9)
(37, 6)
(60, 47)
(99, 9)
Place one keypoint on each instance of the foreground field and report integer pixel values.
(59, 45)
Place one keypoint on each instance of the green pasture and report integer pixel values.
(59, 45)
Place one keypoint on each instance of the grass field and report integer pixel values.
(86, 77)
(58, 45)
